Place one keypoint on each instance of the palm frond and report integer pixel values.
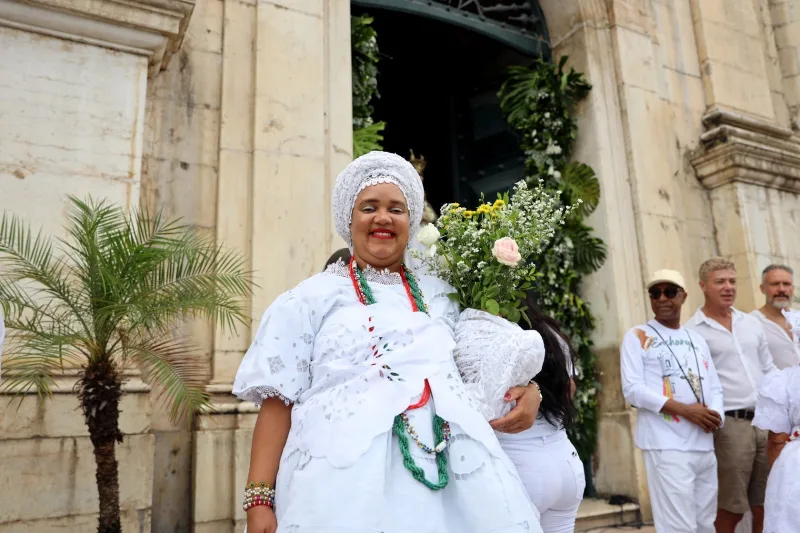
(177, 370)
(368, 138)
(25, 258)
(589, 252)
(120, 285)
(579, 183)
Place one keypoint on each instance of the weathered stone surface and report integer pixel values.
(32, 464)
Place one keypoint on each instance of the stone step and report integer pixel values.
(595, 513)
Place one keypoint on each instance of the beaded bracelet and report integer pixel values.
(258, 494)
(538, 389)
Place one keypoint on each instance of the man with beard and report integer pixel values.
(781, 324)
(667, 372)
(741, 356)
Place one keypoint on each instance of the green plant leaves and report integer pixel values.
(367, 139)
(538, 102)
(114, 290)
(492, 307)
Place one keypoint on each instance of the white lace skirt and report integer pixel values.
(781, 509)
(378, 494)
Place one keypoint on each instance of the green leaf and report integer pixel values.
(492, 307)
(368, 139)
(579, 183)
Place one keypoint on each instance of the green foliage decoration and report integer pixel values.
(367, 135)
(539, 103)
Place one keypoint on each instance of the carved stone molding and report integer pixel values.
(152, 28)
(746, 149)
(64, 383)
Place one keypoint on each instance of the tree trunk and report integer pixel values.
(100, 390)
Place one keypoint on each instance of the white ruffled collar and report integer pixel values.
(373, 275)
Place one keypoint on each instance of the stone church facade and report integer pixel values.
(236, 115)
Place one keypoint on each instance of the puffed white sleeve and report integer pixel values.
(277, 364)
(772, 404)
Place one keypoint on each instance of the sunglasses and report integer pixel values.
(669, 292)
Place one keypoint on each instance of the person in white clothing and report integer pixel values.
(781, 324)
(778, 411)
(365, 424)
(668, 374)
(741, 355)
(544, 452)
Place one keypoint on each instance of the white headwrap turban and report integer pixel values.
(371, 169)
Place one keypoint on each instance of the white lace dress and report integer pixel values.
(349, 369)
(778, 410)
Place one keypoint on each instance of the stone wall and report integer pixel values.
(47, 464)
(73, 85)
(682, 90)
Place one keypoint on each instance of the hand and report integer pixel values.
(523, 415)
(261, 519)
(702, 416)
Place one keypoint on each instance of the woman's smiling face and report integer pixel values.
(380, 227)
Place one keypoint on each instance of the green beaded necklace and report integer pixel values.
(440, 427)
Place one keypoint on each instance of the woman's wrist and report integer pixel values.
(258, 493)
(538, 389)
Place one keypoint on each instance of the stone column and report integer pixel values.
(285, 133)
(749, 157)
(73, 82)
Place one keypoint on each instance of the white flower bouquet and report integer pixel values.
(486, 255)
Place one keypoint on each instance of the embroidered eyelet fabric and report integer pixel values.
(778, 410)
(348, 370)
(494, 355)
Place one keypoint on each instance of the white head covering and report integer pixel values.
(371, 169)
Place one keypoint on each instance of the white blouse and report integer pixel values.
(350, 369)
(778, 410)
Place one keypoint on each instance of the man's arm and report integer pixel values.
(634, 387)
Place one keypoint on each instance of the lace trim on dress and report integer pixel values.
(258, 394)
(384, 277)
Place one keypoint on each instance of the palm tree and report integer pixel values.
(109, 297)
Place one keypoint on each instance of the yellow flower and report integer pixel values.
(498, 204)
(468, 214)
(455, 204)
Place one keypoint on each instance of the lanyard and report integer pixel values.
(696, 362)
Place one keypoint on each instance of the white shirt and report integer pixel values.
(741, 357)
(785, 350)
(659, 363)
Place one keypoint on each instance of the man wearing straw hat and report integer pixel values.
(668, 374)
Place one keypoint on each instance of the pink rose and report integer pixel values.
(506, 251)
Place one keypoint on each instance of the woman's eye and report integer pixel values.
(398, 210)
(367, 209)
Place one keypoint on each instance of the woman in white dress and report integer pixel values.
(365, 426)
(544, 452)
(778, 410)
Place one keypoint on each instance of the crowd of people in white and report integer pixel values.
(718, 403)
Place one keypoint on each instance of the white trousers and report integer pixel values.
(683, 490)
(553, 476)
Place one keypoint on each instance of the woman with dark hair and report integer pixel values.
(546, 460)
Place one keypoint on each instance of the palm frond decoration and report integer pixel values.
(107, 298)
(579, 183)
(367, 139)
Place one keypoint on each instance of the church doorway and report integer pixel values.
(438, 83)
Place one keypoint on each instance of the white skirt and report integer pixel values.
(781, 509)
(378, 494)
